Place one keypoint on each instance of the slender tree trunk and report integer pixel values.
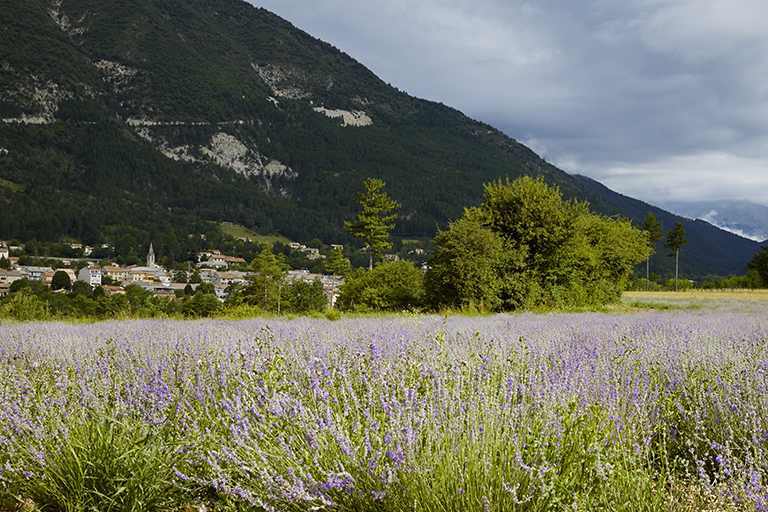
(677, 253)
(647, 272)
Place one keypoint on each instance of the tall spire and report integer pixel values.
(151, 256)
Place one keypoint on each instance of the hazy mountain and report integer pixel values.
(744, 218)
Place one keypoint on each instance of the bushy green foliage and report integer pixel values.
(302, 298)
(526, 247)
(107, 464)
(24, 306)
(390, 286)
(759, 265)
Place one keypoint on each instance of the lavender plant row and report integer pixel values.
(511, 412)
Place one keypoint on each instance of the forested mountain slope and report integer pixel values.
(152, 114)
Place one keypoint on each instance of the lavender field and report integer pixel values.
(651, 410)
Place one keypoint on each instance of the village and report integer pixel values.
(222, 271)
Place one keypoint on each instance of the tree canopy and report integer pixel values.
(759, 264)
(526, 247)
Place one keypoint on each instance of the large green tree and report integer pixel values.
(653, 232)
(467, 267)
(526, 247)
(675, 242)
(60, 280)
(372, 224)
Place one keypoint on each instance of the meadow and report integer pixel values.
(662, 408)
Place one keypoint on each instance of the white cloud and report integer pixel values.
(698, 177)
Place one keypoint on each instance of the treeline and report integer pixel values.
(33, 300)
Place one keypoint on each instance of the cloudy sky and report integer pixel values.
(657, 99)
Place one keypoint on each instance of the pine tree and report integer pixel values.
(371, 224)
(675, 241)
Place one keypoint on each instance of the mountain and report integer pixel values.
(712, 252)
(142, 118)
(743, 218)
(150, 121)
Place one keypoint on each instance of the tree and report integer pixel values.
(525, 247)
(337, 265)
(371, 223)
(390, 286)
(196, 277)
(652, 229)
(269, 273)
(60, 280)
(302, 297)
(206, 288)
(675, 242)
(759, 264)
(179, 276)
(25, 306)
(466, 269)
(201, 305)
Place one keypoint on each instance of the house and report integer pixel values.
(207, 275)
(224, 279)
(91, 275)
(115, 273)
(4, 252)
(47, 277)
(9, 276)
(37, 273)
(232, 261)
(114, 290)
(138, 275)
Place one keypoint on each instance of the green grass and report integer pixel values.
(238, 231)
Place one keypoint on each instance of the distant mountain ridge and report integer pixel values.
(141, 122)
(743, 218)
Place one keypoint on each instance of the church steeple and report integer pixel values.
(151, 256)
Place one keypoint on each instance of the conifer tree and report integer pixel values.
(675, 241)
(371, 224)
